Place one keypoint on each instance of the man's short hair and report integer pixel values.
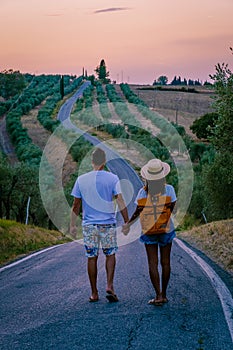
(98, 156)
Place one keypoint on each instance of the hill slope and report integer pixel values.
(17, 239)
(215, 240)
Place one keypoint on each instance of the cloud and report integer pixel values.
(112, 9)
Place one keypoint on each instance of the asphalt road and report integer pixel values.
(66, 108)
(115, 162)
(44, 305)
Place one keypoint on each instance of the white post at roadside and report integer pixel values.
(28, 204)
(203, 214)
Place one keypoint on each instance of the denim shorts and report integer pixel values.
(96, 235)
(162, 239)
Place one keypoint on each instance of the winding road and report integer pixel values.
(44, 299)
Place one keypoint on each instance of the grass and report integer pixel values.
(215, 239)
(17, 239)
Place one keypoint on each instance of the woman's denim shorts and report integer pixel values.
(162, 239)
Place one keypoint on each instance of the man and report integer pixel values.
(96, 191)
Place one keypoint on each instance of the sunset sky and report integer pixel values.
(138, 39)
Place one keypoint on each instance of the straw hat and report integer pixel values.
(155, 170)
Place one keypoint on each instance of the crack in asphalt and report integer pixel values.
(133, 332)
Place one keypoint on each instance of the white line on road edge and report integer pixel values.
(220, 287)
(28, 257)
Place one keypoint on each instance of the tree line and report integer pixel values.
(178, 81)
(214, 176)
(20, 181)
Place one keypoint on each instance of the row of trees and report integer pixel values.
(39, 89)
(103, 77)
(178, 81)
(20, 182)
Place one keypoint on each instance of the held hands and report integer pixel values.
(125, 228)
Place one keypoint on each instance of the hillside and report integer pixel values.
(215, 239)
(183, 107)
(17, 239)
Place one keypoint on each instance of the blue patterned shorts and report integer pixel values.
(94, 235)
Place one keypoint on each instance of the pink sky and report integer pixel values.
(138, 39)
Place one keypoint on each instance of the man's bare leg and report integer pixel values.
(110, 270)
(92, 273)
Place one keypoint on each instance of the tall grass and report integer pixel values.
(17, 239)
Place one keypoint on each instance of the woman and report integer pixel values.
(161, 234)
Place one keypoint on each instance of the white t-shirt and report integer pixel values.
(97, 189)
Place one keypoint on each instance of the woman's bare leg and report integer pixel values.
(152, 257)
(165, 253)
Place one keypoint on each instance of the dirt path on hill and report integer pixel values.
(115, 117)
(95, 107)
(35, 130)
(59, 152)
(40, 136)
(145, 123)
(6, 144)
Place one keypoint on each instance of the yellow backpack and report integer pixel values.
(155, 214)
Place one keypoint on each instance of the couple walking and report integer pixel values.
(95, 192)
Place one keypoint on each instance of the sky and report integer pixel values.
(139, 40)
